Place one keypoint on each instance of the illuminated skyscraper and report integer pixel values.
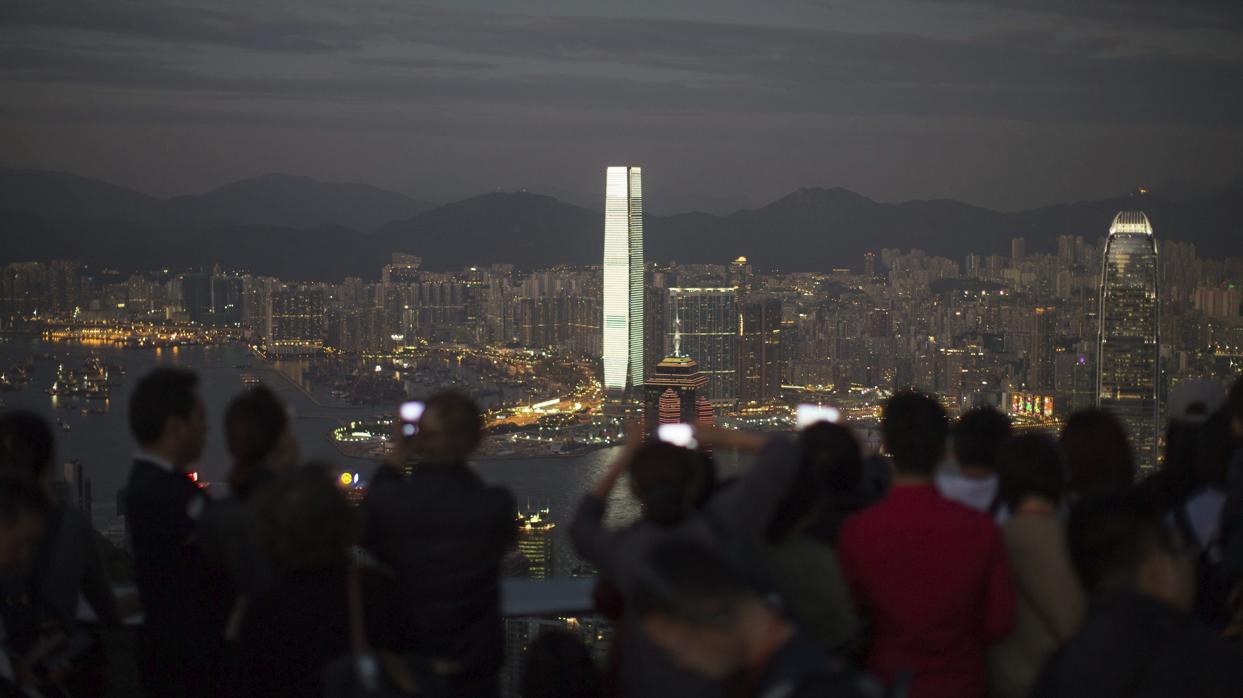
(1128, 363)
(760, 365)
(708, 321)
(673, 393)
(623, 280)
(535, 542)
(740, 274)
(1043, 353)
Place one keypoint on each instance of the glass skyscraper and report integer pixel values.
(709, 324)
(623, 280)
(1128, 358)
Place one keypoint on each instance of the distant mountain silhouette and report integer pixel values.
(298, 202)
(302, 229)
(527, 230)
(44, 193)
(271, 199)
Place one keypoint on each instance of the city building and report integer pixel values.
(623, 281)
(1128, 359)
(1018, 250)
(295, 322)
(673, 392)
(227, 291)
(404, 269)
(654, 320)
(740, 274)
(74, 489)
(535, 542)
(760, 365)
(708, 321)
(1041, 369)
(196, 297)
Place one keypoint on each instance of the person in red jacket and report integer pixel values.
(929, 574)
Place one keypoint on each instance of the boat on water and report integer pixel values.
(250, 380)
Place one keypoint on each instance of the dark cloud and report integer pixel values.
(1196, 14)
(681, 66)
(260, 26)
(486, 75)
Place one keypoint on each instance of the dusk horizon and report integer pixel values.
(641, 349)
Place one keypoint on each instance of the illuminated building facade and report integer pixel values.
(760, 365)
(535, 529)
(1128, 359)
(708, 319)
(295, 322)
(740, 274)
(674, 392)
(1043, 352)
(623, 281)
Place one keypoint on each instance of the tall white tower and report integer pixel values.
(623, 280)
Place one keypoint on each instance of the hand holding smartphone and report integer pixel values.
(808, 415)
(682, 435)
(410, 413)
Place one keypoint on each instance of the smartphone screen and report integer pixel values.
(808, 415)
(410, 414)
(677, 434)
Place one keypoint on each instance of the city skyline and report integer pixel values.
(900, 309)
(344, 231)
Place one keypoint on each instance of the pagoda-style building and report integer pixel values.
(672, 391)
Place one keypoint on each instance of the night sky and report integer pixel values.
(724, 102)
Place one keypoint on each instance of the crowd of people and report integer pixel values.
(970, 559)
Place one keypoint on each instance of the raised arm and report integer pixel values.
(747, 505)
(587, 531)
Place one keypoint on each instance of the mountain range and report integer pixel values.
(300, 228)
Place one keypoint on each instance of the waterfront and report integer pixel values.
(102, 442)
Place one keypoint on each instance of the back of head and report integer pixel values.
(688, 583)
(1030, 465)
(667, 480)
(26, 444)
(559, 666)
(20, 497)
(254, 425)
(833, 449)
(450, 428)
(304, 521)
(1097, 452)
(1111, 537)
(22, 507)
(1179, 466)
(831, 464)
(1216, 447)
(914, 427)
(162, 393)
(978, 434)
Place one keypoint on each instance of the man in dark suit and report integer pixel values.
(162, 506)
(445, 533)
